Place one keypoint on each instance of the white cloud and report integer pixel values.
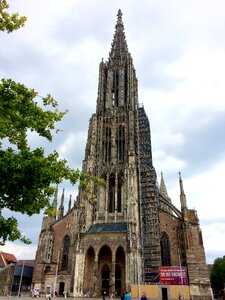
(72, 145)
(212, 233)
(167, 163)
(205, 193)
(66, 146)
(203, 77)
(20, 251)
(178, 49)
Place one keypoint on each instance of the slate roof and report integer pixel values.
(108, 227)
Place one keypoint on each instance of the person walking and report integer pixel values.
(103, 295)
(127, 296)
(143, 297)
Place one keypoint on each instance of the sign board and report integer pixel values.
(173, 275)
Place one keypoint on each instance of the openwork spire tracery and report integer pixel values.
(119, 50)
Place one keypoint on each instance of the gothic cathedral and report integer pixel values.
(132, 229)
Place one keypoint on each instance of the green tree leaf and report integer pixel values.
(9, 22)
(27, 176)
(217, 276)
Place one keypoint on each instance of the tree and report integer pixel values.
(27, 176)
(9, 22)
(217, 276)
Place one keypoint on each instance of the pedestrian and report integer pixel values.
(65, 294)
(123, 296)
(127, 296)
(103, 295)
(143, 297)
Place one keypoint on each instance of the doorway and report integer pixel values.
(164, 294)
(118, 280)
(61, 288)
(105, 280)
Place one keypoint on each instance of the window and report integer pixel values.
(115, 89)
(119, 193)
(121, 142)
(165, 250)
(111, 193)
(107, 144)
(65, 254)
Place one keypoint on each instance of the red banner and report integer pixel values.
(173, 275)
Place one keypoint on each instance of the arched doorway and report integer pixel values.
(120, 272)
(61, 288)
(105, 271)
(89, 278)
(118, 280)
(105, 278)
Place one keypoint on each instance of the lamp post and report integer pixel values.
(21, 278)
(56, 274)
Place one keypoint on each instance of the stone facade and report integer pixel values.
(6, 279)
(122, 238)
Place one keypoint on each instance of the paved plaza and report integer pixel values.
(26, 297)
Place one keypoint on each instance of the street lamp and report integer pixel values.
(21, 278)
(56, 274)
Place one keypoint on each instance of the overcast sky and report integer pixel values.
(178, 49)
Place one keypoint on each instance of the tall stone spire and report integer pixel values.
(70, 202)
(55, 202)
(62, 205)
(162, 188)
(118, 86)
(183, 199)
(119, 49)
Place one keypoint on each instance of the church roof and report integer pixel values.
(108, 227)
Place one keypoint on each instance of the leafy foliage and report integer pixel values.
(27, 176)
(9, 231)
(19, 112)
(218, 274)
(9, 22)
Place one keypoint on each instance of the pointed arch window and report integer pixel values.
(111, 197)
(65, 254)
(115, 89)
(107, 144)
(119, 192)
(121, 142)
(165, 250)
(125, 85)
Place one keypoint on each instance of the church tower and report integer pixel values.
(112, 233)
(111, 151)
(132, 230)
